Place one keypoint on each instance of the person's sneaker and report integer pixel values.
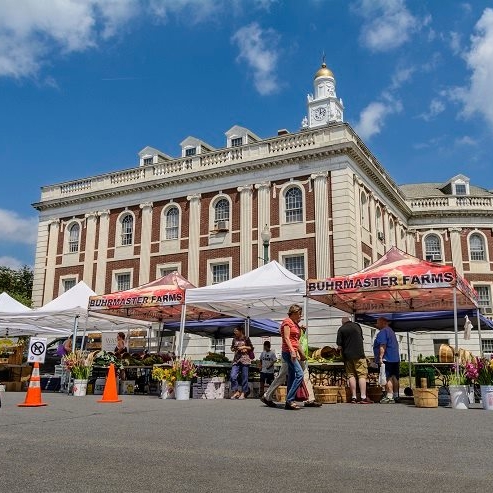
(387, 400)
(267, 402)
(366, 400)
(396, 399)
(353, 401)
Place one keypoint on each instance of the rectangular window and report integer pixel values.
(123, 282)
(296, 265)
(437, 343)
(191, 151)
(487, 345)
(220, 273)
(460, 189)
(484, 297)
(148, 160)
(218, 346)
(168, 270)
(238, 141)
(68, 284)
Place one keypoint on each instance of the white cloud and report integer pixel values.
(372, 119)
(30, 32)
(388, 24)
(466, 141)
(257, 48)
(17, 229)
(437, 106)
(11, 263)
(196, 11)
(476, 98)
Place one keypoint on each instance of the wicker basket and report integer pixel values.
(445, 354)
(325, 394)
(426, 397)
(280, 393)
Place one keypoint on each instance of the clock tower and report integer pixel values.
(323, 105)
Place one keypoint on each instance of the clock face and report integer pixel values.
(319, 113)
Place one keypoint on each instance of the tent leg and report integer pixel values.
(182, 328)
(479, 333)
(409, 358)
(160, 339)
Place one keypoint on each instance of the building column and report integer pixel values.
(104, 227)
(322, 256)
(145, 243)
(40, 262)
(245, 228)
(54, 231)
(263, 211)
(194, 239)
(455, 246)
(358, 187)
(89, 247)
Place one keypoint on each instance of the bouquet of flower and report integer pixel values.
(79, 363)
(480, 371)
(184, 369)
(458, 376)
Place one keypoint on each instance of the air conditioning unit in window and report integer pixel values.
(380, 235)
(221, 226)
(436, 257)
(487, 310)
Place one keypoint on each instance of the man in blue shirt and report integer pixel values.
(386, 350)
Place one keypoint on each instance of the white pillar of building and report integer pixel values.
(456, 247)
(90, 246)
(358, 188)
(104, 227)
(263, 204)
(322, 245)
(54, 230)
(245, 228)
(145, 242)
(39, 262)
(194, 239)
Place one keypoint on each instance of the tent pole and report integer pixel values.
(160, 328)
(456, 329)
(182, 328)
(479, 333)
(409, 358)
(247, 327)
(74, 335)
(305, 311)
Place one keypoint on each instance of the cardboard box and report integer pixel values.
(127, 387)
(13, 386)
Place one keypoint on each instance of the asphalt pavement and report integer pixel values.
(146, 444)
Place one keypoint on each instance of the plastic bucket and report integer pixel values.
(182, 390)
(80, 387)
(487, 397)
(459, 397)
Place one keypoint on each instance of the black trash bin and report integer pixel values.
(428, 373)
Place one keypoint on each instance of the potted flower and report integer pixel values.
(167, 379)
(458, 388)
(480, 371)
(184, 370)
(79, 364)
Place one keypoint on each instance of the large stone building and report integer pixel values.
(316, 200)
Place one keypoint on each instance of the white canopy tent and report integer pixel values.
(63, 315)
(265, 292)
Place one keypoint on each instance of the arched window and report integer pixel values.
(476, 247)
(73, 238)
(221, 212)
(127, 229)
(294, 205)
(364, 213)
(391, 232)
(171, 227)
(433, 249)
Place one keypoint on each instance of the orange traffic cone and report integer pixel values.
(110, 393)
(33, 396)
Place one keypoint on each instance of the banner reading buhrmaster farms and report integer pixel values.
(397, 282)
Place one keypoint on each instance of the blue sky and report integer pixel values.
(86, 84)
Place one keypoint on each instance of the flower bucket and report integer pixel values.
(459, 397)
(487, 397)
(182, 390)
(80, 387)
(167, 390)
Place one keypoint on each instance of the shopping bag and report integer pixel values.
(382, 378)
(301, 393)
